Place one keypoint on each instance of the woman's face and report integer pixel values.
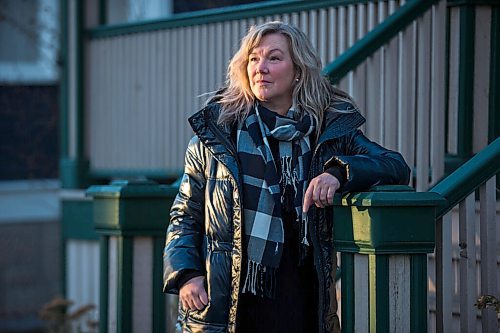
(271, 72)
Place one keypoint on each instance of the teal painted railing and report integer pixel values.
(376, 38)
(468, 177)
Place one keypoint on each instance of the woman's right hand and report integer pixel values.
(193, 295)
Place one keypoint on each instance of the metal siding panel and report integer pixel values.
(454, 37)
(141, 98)
(137, 125)
(342, 42)
(351, 39)
(372, 81)
(295, 19)
(168, 91)
(303, 21)
(313, 29)
(381, 16)
(423, 102)
(333, 34)
(437, 82)
(322, 37)
(191, 99)
(180, 78)
(181, 93)
(359, 74)
(407, 98)
(391, 92)
(481, 77)
(219, 59)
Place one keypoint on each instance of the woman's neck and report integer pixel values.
(279, 108)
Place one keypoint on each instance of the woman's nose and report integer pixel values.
(262, 67)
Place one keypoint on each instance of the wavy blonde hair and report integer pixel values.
(312, 94)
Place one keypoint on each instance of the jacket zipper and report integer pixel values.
(318, 258)
(229, 147)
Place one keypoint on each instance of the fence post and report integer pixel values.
(384, 236)
(131, 218)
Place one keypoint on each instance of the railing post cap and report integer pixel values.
(135, 207)
(131, 188)
(386, 220)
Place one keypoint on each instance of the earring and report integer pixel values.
(296, 79)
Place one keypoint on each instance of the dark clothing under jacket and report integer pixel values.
(205, 232)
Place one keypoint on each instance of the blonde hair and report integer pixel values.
(312, 93)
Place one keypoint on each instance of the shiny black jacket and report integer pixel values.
(205, 231)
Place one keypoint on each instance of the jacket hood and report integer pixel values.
(336, 124)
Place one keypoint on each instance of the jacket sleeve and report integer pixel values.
(366, 164)
(186, 229)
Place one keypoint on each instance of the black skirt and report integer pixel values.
(294, 309)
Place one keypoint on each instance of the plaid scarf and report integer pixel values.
(270, 186)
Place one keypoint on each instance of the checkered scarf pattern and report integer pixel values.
(265, 183)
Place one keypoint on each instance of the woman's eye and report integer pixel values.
(274, 58)
(252, 59)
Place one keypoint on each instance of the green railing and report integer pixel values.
(468, 177)
(376, 38)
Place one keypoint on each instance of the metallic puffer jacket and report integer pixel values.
(205, 231)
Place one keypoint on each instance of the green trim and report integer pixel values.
(63, 117)
(140, 188)
(96, 174)
(447, 87)
(494, 107)
(124, 285)
(237, 12)
(73, 173)
(77, 220)
(405, 226)
(376, 38)
(378, 267)
(381, 199)
(63, 79)
(455, 3)
(132, 208)
(80, 78)
(466, 81)
(159, 299)
(418, 293)
(452, 163)
(80, 94)
(72, 170)
(104, 284)
(468, 177)
(103, 12)
(347, 292)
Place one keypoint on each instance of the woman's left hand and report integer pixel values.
(320, 191)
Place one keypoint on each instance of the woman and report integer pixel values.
(249, 242)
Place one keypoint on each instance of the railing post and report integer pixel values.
(131, 218)
(384, 237)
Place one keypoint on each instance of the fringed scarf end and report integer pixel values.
(260, 280)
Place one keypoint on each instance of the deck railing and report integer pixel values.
(472, 250)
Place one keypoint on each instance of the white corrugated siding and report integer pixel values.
(142, 87)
